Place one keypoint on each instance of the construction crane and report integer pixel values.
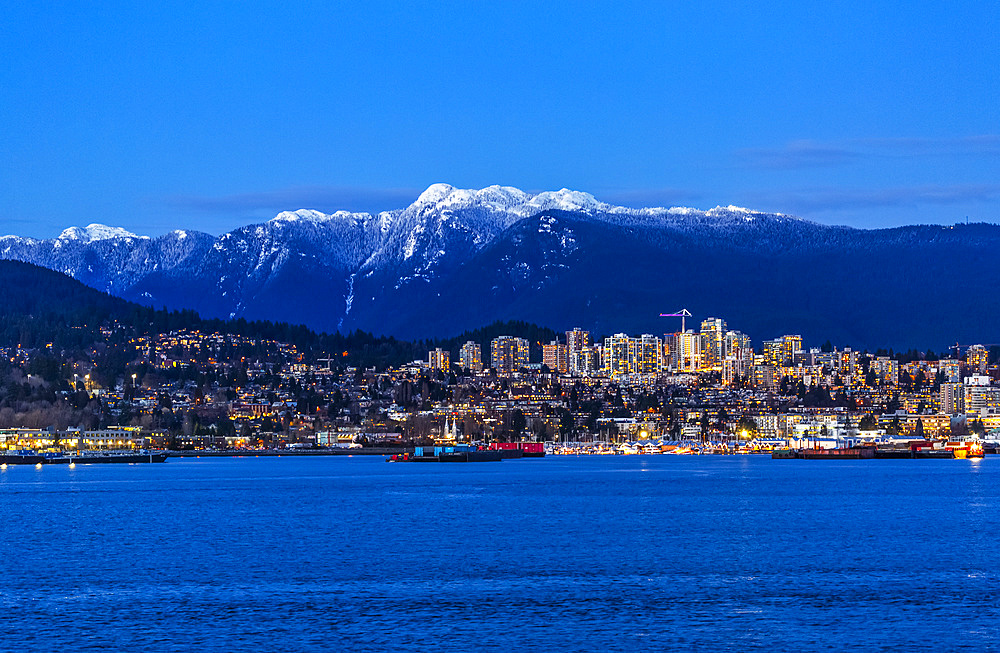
(683, 313)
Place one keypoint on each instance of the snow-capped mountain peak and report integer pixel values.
(94, 232)
(506, 199)
(567, 200)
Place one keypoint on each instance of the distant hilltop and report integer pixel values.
(456, 258)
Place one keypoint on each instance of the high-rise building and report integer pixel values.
(472, 356)
(781, 351)
(952, 398)
(980, 396)
(577, 341)
(951, 368)
(977, 357)
(439, 359)
(887, 370)
(625, 355)
(648, 354)
(554, 356)
(685, 351)
(586, 362)
(736, 347)
(791, 345)
(774, 352)
(616, 354)
(508, 354)
(713, 331)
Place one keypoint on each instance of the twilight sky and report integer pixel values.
(209, 115)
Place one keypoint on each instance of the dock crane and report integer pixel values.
(683, 313)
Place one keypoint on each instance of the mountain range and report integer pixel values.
(457, 259)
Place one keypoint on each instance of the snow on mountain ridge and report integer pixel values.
(94, 232)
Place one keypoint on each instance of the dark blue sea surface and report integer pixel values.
(562, 553)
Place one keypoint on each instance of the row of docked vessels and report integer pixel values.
(921, 449)
(103, 456)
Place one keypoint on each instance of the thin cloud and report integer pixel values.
(323, 198)
(797, 154)
(819, 200)
(809, 153)
(982, 144)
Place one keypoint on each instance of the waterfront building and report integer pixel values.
(471, 355)
(508, 354)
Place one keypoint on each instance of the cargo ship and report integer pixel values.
(103, 457)
(448, 454)
(21, 457)
(131, 457)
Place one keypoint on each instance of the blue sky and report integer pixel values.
(208, 115)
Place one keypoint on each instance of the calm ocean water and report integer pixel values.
(592, 553)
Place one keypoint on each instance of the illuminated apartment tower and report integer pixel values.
(887, 370)
(577, 341)
(648, 354)
(952, 398)
(849, 364)
(713, 331)
(685, 351)
(782, 350)
(508, 354)
(554, 356)
(737, 356)
(977, 358)
(791, 345)
(617, 354)
(472, 356)
(773, 351)
(980, 397)
(439, 359)
(951, 368)
(625, 355)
